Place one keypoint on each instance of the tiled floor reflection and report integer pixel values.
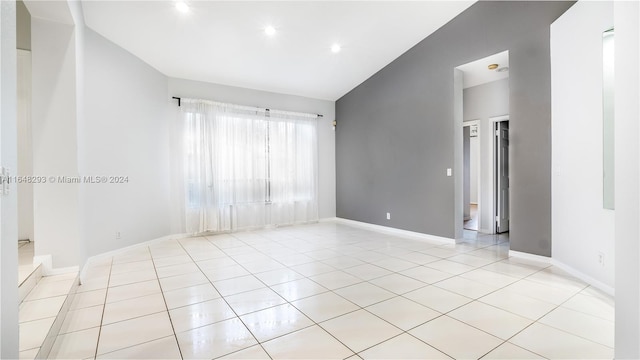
(332, 291)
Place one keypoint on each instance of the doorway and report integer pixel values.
(501, 184)
(481, 102)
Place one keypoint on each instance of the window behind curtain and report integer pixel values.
(247, 168)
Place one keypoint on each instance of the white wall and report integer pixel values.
(8, 209)
(582, 228)
(25, 146)
(125, 133)
(100, 111)
(54, 119)
(627, 183)
(97, 111)
(326, 134)
(481, 103)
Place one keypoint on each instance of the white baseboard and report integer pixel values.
(46, 262)
(330, 219)
(394, 231)
(571, 271)
(584, 277)
(119, 251)
(527, 256)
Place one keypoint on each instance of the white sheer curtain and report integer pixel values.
(245, 167)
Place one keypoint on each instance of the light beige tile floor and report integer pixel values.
(37, 313)
(329, 291)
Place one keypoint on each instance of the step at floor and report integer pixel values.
(25, 260)
(29, 273)
(42, 312)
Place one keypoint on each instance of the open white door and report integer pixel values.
(502, 176)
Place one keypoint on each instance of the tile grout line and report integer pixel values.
(537, 321)
(164, 299)
(104, 307)
(564, 331)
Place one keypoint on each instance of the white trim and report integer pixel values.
(479, 165)
(458, 156)
(499, 118)
(584, 277)
(329, 219)
(527, 256)
(494, 157)
(394, 231)
(46, 262)
(562, 266)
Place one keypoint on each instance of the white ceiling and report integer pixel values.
(476, 72)
(224, 41)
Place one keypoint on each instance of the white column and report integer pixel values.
(55, 144)
(8, 208)
(627, 183)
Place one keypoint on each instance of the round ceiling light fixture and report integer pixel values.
(503, 69)
(182, 6)
(270, 30)
(492, 66)
(335, 48)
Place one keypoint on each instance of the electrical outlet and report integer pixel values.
(388, 216)
(601, 258)
(118, 235)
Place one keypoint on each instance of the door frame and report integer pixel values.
(479, 165)
(494, 184)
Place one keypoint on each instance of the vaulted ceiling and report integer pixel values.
(225, 41)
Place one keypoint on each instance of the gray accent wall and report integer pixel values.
(395, 132)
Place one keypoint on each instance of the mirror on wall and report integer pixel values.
(608, 86)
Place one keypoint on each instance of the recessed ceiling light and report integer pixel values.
(335, 48)
(270, 30)
(182, 6)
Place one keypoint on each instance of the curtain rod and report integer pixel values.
(180, 99)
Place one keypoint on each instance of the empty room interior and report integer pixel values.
(319, 179)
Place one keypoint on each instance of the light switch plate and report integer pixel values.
(449, 172)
